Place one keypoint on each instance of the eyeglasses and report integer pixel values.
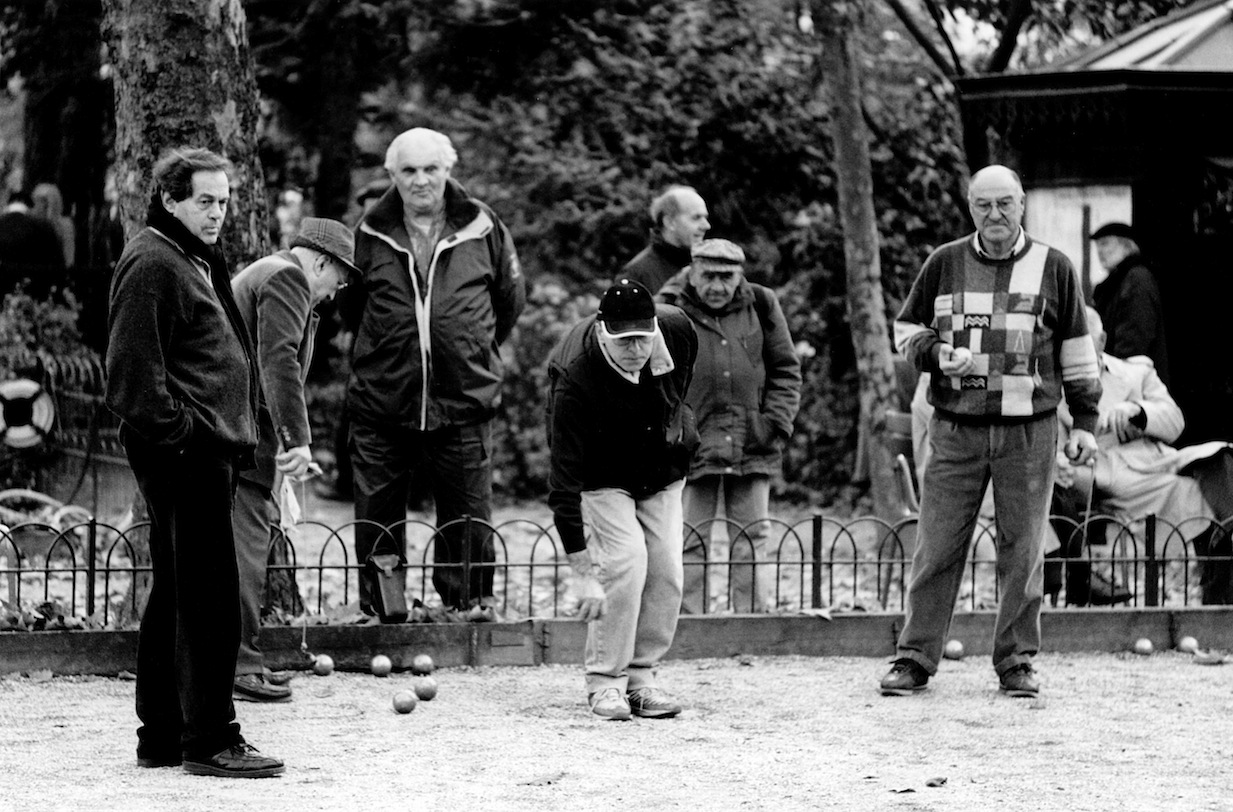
(1005, 205)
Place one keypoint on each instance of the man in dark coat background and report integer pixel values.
(679, 221)
(1128, 299)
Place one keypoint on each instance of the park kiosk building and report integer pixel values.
(1138, 130)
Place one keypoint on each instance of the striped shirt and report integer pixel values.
(1023, 319)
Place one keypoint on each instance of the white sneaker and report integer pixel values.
(609, 704)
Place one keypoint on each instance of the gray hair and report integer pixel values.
(668, 204)
(440, 141)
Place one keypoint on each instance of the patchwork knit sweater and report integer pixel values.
(1023, 319)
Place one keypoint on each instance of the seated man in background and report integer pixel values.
(1137, 472)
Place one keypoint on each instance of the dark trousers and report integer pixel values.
(459, 463)
(1215, 478)
(1019, 459)
(190, 629)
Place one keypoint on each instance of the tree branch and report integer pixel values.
(936, 14)
(921, 38)
(1018, 14)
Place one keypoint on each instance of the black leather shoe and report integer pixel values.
(255, 688)
(238, 761)
(905, 678)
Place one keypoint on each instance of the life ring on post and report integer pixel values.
(27, 413)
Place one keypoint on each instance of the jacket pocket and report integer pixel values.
(759, 434)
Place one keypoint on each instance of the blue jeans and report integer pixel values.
(637, 545)
(746, 502)
(1019, 458)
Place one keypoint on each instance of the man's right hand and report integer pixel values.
(591, 598)
(956, 360)
(294, 463)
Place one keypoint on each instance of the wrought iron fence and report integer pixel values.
(95, 570)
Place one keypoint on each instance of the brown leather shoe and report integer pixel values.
(278, 677)
(238, 761)
(1020, 681)
(255, 688)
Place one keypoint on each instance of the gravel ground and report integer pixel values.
(1110, 731)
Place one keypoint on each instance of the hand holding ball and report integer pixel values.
(955, 360)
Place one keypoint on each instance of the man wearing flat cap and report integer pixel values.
(276, 296)
(745, 395)
(621, 434)
(1127, 298)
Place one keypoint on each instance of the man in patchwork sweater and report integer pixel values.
(997, 319)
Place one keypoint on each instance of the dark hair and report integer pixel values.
(174, 171)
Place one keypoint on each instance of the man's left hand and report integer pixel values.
(1081, 448)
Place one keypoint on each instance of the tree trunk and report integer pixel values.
(334, 36)
(184, 77)
(866, 307)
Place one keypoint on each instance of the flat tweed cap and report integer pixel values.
(718, 254)
(329, 237)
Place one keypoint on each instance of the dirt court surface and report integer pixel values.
(1110, 732)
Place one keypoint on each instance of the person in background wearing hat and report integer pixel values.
(680, 221)
(182, 378)
(997, 320)
(745, 395)
(1127, 297)
(276, 296)
(440, 290)
(620, 435)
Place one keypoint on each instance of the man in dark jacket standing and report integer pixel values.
(1128, 299)
(181, 378)
(745, 395)
(276, 296)
(440, 290)
(679, 220)
(621, 435)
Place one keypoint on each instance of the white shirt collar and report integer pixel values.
(1019, 243)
